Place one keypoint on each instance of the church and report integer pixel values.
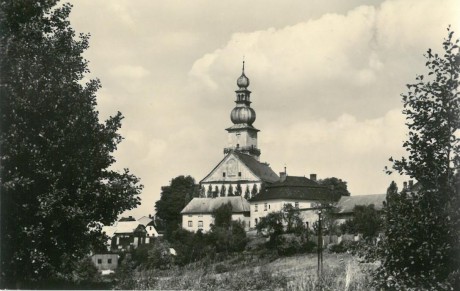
(251, 186)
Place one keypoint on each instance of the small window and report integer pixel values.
(297, 205)
(268, 206)
(200, 224)
(99, 261)
(109, 261)
(239, 174)
(189, 215)
(265, 206)
(223, 174)
(256, 207)
(200, 215)
(190, 224)
(256, 221)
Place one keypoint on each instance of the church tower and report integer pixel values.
(242, 136)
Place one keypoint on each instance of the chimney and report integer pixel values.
(150, 215)
(283, 176)
(411, 184)
(313, 177)
(404, 185)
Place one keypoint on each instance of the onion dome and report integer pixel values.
(243, 115)
(243, 81)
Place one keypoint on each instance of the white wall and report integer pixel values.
(207, 220)
(260, 209)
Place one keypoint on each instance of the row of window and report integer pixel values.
(256, 206)
(190, 223)
(99, 261)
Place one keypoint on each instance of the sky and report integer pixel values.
(326, 79)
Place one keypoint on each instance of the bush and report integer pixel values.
(159, 255)
(337, 248)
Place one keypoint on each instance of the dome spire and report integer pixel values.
(243, 81)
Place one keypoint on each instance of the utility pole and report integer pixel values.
(320, 245)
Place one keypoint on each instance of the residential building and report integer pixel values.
(198, 214)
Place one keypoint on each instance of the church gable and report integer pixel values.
(231, 169)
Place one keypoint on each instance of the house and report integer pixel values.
(105, 263)
(344, 209)
(125, 235)
(302, 193)
(198, 212)
(149, 224)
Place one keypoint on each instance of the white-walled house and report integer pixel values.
(149, 224)
(198, 212)
(301, 192)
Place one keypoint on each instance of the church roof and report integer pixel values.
(261, 170)
(208, 205)
(346, 204)
(296, 188)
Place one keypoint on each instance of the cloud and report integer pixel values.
(326, 78)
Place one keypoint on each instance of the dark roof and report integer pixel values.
(346, 204)
(261, 170)
(296, 188)
(208, 205)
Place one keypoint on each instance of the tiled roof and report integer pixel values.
(346, 204)
(144, 220)
(208, 205)
(261, 170)
(296, 188)
(127, 226)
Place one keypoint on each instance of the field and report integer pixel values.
(247, 272)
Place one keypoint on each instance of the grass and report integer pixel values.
(247, 272)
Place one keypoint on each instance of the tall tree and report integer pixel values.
(337, 185)
(56, 185)
(173, 199)
(422, 249)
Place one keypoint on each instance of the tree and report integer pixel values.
(422, 245)
(173, 199)
(254, 191)
(223, 215)
(337, 185)
(210, 191)
(367, 221)
(222, 191)
(238, 190)
(216, 191)
(57, 185)
(230, 190)
(293, 221)
(247, 193)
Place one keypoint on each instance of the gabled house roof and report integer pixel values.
(145, 220)
(347, 204)
(261, 170)
(123, 227)
(208, 205)
(296, 188)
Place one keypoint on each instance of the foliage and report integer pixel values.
(223, 215)
(56, 180)
(228, 237)
(337, 185)
(230, 190)
(222, 191)
(86, 272)
(254, 191)
(238, 190)
(210, 191)
(422, 245)
(274, 224)
(159, 255)
(173, 199)
(247, 193)
(366, 221)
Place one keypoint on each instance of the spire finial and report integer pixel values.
(243, 64)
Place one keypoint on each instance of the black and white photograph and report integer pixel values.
(230, 145)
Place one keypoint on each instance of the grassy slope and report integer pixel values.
(341, 272)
